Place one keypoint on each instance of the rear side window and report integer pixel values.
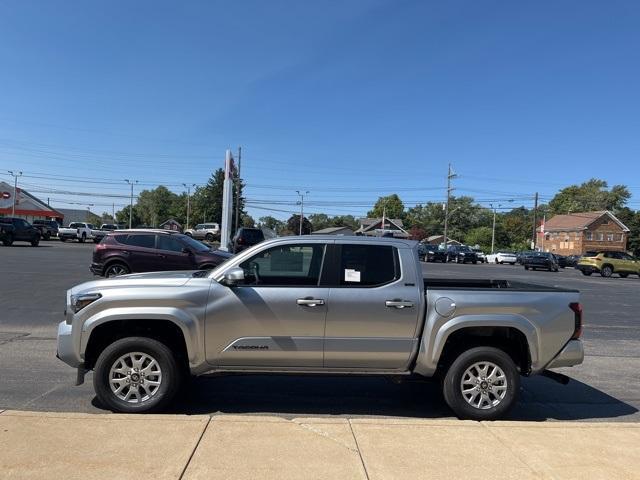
(368, 265)
(144, 241)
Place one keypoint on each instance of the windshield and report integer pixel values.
(194, 244)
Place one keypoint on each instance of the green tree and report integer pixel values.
(345, 221)
(156, 206)
(319, 221)
(122, 217)
(391, 206)
(207, 201)
(248, 221)
(271, 223)
(589, 196)
(480, 236)
(293, 225)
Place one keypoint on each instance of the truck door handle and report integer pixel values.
(398, 304)
(310, 302)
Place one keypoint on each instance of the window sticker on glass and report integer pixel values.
(351, 275)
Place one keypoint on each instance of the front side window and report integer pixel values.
(368, 265)
(286, 265)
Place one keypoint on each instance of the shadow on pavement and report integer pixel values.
(541, 399)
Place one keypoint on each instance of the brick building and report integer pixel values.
(577, 233)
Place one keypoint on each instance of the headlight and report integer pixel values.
(78, 302)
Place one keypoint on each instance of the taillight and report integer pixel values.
(577, 310)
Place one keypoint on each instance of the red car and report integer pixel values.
(129, 251)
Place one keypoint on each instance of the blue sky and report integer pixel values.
(347, 99)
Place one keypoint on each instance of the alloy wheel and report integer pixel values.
(483, 385)
(135, 377)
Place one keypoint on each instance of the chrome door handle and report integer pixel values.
(398, 304)
(310, 302)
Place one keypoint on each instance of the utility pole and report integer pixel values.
(238, 188)
(132, 183)
(188, 187)
(535, 223)
(15, 176)
(113, 211)
(450, 176)
(493, 230)
(301, 208)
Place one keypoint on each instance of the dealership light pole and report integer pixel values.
(301, 208)
(132, 183)
(188, 187)
(450, 176)
(493, 230)
(15, 176)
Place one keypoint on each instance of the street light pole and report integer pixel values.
(188, 187)
(450, 175)
(493, 230)
(132, 183)
(15, 176)
(301, 208)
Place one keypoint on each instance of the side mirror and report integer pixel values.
(233, 276)
(187, 250)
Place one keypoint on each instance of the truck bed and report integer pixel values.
(488, 284)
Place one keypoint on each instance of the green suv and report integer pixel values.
(608, 263)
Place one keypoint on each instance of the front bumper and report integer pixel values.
(572, 354)
(96, 268)
(66, 351)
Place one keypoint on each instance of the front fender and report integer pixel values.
(188, 324)
(431, 347)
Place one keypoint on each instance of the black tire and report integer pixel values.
(82, 238)
(171, 378)
(452, 384)
(209, 237)
(623, 275)
(7, 241)
(475, 262)
(63, 239)
(116, 269)
(526, 267)
(35, 241)
(47, 236)
(606, 271)
(496, 261)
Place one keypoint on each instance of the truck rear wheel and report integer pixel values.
(481, 384)
(136, 375)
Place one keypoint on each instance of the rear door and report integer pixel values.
(374, 307)
(141, 253)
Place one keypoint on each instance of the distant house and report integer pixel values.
(171, 224)
(373, 227)
(439, 240)
(334, 231)
(577, 233)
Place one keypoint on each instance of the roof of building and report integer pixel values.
(578, 221)
(367, 222)
(330, 230)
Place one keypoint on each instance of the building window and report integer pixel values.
(588, 236)
(609, 237)
(600, 237)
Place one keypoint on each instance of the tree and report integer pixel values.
(589, 196)
(417, 233)
(156, 206)
(319, 221)
(207, 201)
(345, 221)
(293, 225)
(122, 217)
(248, 221)
(480, 236)
(391, 206)
(271, 223)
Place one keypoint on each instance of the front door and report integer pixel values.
(276, 317)
(374, 308)
(171, 256)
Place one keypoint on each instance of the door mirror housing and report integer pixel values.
(187, 250)
(233, 276)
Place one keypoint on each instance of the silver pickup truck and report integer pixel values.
(318, 305)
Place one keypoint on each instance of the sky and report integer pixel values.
(349, 100)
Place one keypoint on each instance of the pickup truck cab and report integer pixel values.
(18, 230)
(318, 305)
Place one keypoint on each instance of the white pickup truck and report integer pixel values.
(80, 231)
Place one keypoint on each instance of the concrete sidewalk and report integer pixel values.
(83, 446)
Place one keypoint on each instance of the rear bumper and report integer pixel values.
(572, 354)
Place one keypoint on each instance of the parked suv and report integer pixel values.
(18, 229)
(431, 253)
(204, 231)
(48, 228)
(540, 260)
(245, 238)
(461, 254)
(127, 251)
(608, 263)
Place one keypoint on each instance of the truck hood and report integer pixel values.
(148, 279)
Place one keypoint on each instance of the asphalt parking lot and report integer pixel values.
(33, 282)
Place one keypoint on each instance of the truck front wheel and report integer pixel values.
(481, 384)
(136, 375)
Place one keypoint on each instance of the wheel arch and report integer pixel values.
(113, 260)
